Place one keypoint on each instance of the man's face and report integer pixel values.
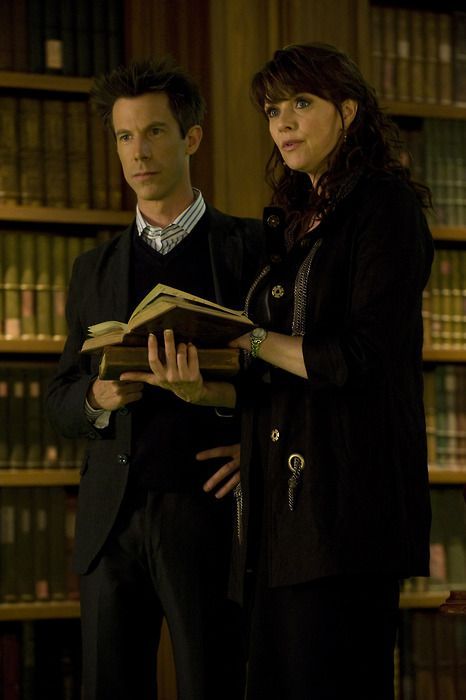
(153, 154)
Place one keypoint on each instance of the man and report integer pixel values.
(150, 540)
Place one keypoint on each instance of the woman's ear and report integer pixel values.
(349, 110)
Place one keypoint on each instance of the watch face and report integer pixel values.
(259, 333)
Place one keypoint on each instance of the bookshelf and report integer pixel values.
(26, 359)
(412, 58)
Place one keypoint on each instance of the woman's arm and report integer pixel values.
(283, 351)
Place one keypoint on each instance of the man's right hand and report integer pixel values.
(113, 394)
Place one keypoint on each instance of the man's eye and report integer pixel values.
(301, 103)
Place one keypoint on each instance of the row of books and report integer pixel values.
(447, 544)
(56, 153)
(435, 152)
(35, 269)
(69, 37)
(27, 441)
(431, 656)
(40, 660)
(445, 408)
(36, 543)
(444, 301)
(418, 55)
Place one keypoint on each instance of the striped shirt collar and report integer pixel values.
(165, 239)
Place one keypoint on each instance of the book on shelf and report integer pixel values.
(192, 319)
(9, 161)
(431, 23)
(459, 58)
(116, 359)
(78, 142)
(445, 73)
(41, 535)
(56, 181)
(24, 545)
(31, 151)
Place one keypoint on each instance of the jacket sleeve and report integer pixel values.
(65, 397)
(390, 258)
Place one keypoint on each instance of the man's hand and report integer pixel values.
(112, 394)
(230, 469)
(179, 373)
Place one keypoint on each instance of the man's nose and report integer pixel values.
(141, 149)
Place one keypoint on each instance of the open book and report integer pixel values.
(191, 318)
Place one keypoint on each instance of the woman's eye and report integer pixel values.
(271, 112)
(301, 102)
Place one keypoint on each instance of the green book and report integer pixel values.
(57, 559)
(31, 154)
(8, 559)
(41, 543)
(9, 162)
(33, 433)
(27, 245)
(24, 544)
(44, 301)
(11, 284)
(17, 418)
(59, 286)
(56, 181)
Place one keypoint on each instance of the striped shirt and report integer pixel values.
(163, 240)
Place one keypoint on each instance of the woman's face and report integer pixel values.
(306, 128)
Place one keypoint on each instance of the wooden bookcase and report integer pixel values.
(32, 352)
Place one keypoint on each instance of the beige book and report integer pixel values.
(44, 300)
(192, 319)
(27, 243)
(11, 285)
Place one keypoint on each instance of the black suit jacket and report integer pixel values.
(99, 291)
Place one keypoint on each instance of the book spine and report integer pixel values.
(56, 179)
(389, 52)
(8, 545)
(98, 138)
(6, 44)
(403, 44)
(41, 544)
(431, 43)
(59, 286)
(78, 154)
(84, 59)
(35, 31)
(11, 285)
(9, 161)
(4, 400)
(34, 420)
(417, 57)
(445, 59)
(24, 546)
(16, 423)
(44, 286)
(53, 40)
(459, 58)
(100, 37)
(68, 30)
(31, 156)
(57, 543)
(27, 245)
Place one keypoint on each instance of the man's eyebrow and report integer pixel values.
(149, 126)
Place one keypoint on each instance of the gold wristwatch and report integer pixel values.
(256, 337)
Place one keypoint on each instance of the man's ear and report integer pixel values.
(193, 139)
(349, 109)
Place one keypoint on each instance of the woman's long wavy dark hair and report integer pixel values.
(371, 142)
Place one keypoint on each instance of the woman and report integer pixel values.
(334, 507)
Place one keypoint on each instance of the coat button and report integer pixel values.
(122, 459)
(278, 291)
(123, 411)
(92, 436)
(273, 221)
(275, 435)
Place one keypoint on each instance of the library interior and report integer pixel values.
(62, 193)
